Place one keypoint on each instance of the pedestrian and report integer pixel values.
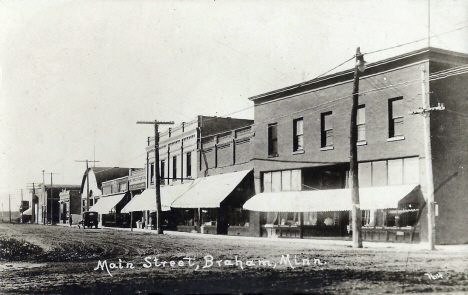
(70, 219)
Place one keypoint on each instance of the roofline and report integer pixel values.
(351, 71)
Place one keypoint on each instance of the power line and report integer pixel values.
(415, 41)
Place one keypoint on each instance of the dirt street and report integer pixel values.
(67, 257)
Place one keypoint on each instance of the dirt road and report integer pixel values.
(70, 256)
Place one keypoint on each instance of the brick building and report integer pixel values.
(197, 149)
(302, 149)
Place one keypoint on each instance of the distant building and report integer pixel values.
(48, 200)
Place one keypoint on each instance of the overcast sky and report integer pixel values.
(79, 74)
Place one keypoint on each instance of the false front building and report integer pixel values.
(302, 152)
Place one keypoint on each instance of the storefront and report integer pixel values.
(214, 204)
(144, 206)
(390, 213)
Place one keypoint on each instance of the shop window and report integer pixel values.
(276, 181)
(298, 134)
(152, 173)
(174, 168)
(188, 165)
(162, 174)
(411, 170)
(209, 216)
(395, 172)
(273, 140)
(267, 182)
(379, 173)
(361, 123)
(239, 217)
(395, 117)
(287, 180)
(327, 130)
(365, 174)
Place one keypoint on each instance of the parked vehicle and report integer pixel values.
(89, 219)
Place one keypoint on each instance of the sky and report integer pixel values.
(77, 75)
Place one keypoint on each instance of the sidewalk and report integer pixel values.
(309, 242)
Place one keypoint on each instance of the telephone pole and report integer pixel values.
(52, 200)
(157, 184)
(425, 111)
(87, 183)
(9, 205)
(21, 207)
(353, 165)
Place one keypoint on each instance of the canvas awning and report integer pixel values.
(209, 192)
(106, 203)
(28, 212)
(147, 199)
(388, 197)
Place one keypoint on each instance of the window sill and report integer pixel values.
(361, 143)
(298, 152)
(396, 138)
(273, 156)
(327, 148)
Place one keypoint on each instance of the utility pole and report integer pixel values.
(157, 184)
(87, 183)
(9, 205)
(52, 200)
(425, 111)
(353, 165)
(21, 221)
(44, 200)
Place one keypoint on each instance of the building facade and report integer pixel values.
(302, 152)
(201, 148)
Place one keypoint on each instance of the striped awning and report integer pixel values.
(147, 199)
(209, 192)
(106, 203)
(388, 197)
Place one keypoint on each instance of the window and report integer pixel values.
(162, 175)
(298, 131)
(152, 173)
(273, 140)
(174, 168)
(286, 180)
(189, 164)
(395, 117)
(327, 130)
(361, 123)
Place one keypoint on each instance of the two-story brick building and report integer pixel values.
(197, 149)
(302, 152)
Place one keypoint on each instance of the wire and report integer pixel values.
(415, 41)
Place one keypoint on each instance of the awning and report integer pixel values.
(28, 212)
(388, 197)
(147, 199)
(209, 192)
(105, 204)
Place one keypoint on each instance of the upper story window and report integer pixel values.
(298, 133)
(188, 165)
(162, 174)
(174, 168)
(152, 173)
(361, 123)
(395, 117)
(327, 130)
(273, 140)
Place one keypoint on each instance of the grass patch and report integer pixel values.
(13, 249)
